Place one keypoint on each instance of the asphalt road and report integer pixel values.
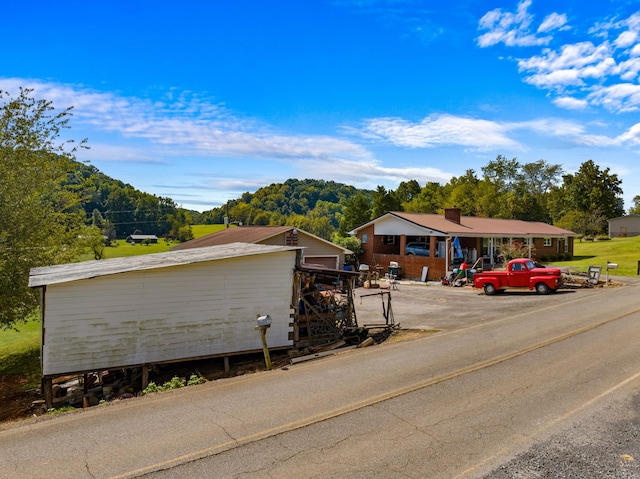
(504, 375)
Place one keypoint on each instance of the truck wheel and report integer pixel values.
(542, 288)
(489, 289)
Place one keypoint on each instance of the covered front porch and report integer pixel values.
(441, 256)
(444, 253)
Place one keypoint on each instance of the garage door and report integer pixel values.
(326, 261)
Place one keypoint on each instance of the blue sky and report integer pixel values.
(201, 101)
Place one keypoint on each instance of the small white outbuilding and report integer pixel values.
(165, 307)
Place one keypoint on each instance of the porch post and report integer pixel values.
(447, 243)
(433, 245)
(403, 243)
(492, 250)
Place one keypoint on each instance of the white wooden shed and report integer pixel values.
(165, 307)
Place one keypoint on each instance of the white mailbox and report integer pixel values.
(264, 320)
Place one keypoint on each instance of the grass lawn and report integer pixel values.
(20, 351)
(203, 230)
(123, 249)
(625, 252)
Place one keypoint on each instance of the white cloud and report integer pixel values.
(582, 73)
(623, 97)
(629, 69)
(570, 103)
(626, 39)
(559, 79)
(632, 135)
(514, 29)
(482, 135)
(119, 153)
(185, 124)
(567, 130)
(439, 130)
(576, 57)
(553, 21)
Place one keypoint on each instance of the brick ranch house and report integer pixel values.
(384, 240)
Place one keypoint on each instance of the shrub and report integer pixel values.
(152, 388)
(175, 383)
(515, 249)
(60, 410)
(195, 379)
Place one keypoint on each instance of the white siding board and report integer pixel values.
(391, 226)
(167, 314)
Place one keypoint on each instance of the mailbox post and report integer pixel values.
(263, 324)
(610, 266)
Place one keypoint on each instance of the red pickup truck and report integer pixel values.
(520, 273)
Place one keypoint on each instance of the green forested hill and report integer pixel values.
(119, 209)
(316, 206)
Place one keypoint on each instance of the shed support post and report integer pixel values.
(47, 392)
(226, 364)
(145, 376)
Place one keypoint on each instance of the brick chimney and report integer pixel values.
(452, 214)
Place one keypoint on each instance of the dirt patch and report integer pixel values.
(15, 399)
(409, 334)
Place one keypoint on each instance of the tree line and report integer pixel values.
(506, 188)
(118, 209)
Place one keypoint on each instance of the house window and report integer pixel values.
(389, 239)
(548, 242)
(566, 245)
(364, 238)
(527, 241)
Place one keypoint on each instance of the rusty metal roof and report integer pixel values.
(244, 234)
(247, 234)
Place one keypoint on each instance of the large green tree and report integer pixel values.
(40, 220)
(586, 199)
(384, 201)
(428, 200)
(356, 213)
(512, 190)
(461, 192)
